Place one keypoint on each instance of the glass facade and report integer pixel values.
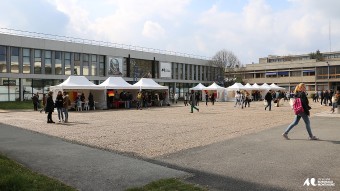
(48, 62)
(3, 59)
(101, 65)
(68, 69)
(14, 60)
(86, 66)
(26, 61)
(93, 65)
(58, 68)
(76, 70)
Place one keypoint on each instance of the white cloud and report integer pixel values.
(153, 30)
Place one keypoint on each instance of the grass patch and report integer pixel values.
(15, 177)
(7, 105)
(168, 185)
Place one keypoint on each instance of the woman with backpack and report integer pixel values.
(300, 92)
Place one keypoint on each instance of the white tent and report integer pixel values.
(199, 87)
(266, 86)
(76, 82)
(249, 87)
(81, 84)
(117, 83)
(220, 91)
(235, 87)
(259, 87)
(276, 87)
(149, 84)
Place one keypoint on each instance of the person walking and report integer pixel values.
(335, 100)
(213, 98)
(206, 98)
(186, 99)
(66, 105)
(300, 92)
(59, 105)
(193, 102)
(269, 99)
(35, 101)
(43, 103)
(49, 107)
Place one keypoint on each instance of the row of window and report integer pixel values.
(321, 72)
(50, 62)
(36, 61)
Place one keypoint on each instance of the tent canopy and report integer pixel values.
(259, 87)
(117, 83)
(147, 83)
(276, 87)
(77, 82)
(266, 86)
(249, 87)
(198, 87)
(236, 87)
(213, 86)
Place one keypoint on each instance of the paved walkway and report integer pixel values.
(79, 166)
(265, 161)
(259, 161)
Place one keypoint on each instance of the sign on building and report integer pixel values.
(165, 68)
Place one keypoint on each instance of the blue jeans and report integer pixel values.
(65, 110)
(296, 121)
(60, 113)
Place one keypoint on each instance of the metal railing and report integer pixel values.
(96, 42)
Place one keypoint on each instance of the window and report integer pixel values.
(14, 60)
(94, 65)
(3, 62)
(101, 66)
(199, 73)
(180, 71)
(86, 64)
(48, 62)
(26, 61)
(76, 64)
(195, 72)
(67, 63)
(37, 61)
(295, 73)
(58, 64)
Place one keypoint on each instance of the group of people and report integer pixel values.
(62, 103)
(242, 99)
(327, 98)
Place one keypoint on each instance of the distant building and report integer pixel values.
(288, 71)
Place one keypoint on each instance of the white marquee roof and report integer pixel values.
(117, 83)
(76, 82)
(147, 83)
(198, 87)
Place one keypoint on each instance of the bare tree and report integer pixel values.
(227, 61)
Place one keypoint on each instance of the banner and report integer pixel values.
(115, 66)
(165, 68)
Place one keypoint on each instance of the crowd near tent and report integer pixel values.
(263, 89)
(215, 89)
(76, 85)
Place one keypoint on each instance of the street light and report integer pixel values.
(328, 75)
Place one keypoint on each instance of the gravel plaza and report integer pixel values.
(220, 148)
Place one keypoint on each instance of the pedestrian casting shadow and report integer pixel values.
(72, 123)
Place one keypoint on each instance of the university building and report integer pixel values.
(288, 71)
(32, 62)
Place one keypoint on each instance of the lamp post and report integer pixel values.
(328, 75)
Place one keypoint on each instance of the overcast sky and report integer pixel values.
(250, 28)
